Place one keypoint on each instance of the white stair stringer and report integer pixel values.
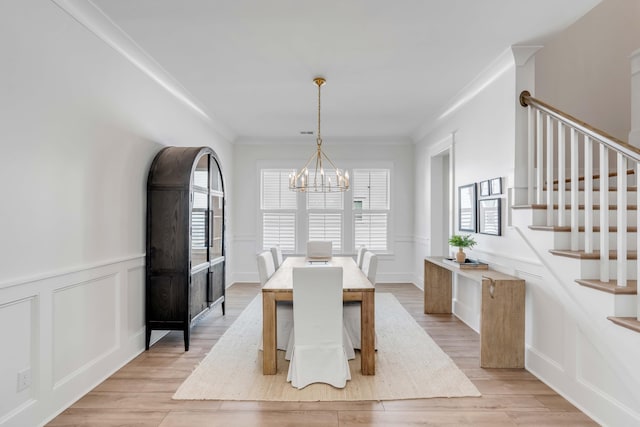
(618, 347)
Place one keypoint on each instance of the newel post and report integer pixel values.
(524, 59)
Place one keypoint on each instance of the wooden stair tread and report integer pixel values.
(611, 286)
(568, 207)
(597, 176)
(567, 228)
(627, 322)
(629, 188)
(594, 255)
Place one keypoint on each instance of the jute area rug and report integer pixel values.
(409, 365)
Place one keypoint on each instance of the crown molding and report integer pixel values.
(507, 60)
(96, 21)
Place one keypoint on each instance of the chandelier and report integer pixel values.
(318, 180)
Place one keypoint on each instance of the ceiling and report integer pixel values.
(391, 66)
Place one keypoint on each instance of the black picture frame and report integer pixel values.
(485, 188)
(495, 186)
(490, 216)
(467, 219)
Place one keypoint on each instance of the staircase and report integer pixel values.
(581, 193)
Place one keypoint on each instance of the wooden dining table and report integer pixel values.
(355, 287)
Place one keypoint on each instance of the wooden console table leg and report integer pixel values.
(269, 361)
(437, 289)
(502, 324)
(368, 333)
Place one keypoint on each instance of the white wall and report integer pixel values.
(249, 157)
(585, 359)
(585, 71)
(79, 126)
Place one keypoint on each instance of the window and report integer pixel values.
(371, 208)
(278, 208)
(324, 211)
(325, 216)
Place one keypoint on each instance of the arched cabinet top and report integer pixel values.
(173, 167)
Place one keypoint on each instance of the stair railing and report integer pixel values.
(548, 130)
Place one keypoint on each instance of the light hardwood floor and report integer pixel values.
(140, 393)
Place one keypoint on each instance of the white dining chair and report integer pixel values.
(352, 309)
(284, 309)
(319, 249)
(277, 256)
(370, 266)
(360, 256)
(318, 354)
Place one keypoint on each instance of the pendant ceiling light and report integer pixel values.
(319, 180)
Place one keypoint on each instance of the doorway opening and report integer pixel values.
(441, 201)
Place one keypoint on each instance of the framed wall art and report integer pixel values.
(485, 188)
(496, 186)
(467, 208)
(489, 217)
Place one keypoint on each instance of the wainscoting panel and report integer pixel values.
(70, 330)
(135, 297)
(593, 371)
(467, 295)
(547, 314)
(18, 333)
(85, 325)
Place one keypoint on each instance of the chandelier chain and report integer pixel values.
(319, 138)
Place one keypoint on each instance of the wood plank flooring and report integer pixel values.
(140, 393)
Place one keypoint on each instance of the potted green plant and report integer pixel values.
(459, 241)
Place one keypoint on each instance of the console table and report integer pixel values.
(502, 309)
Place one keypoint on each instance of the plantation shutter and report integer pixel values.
(326, 226)
(278, 205)
(371, 190)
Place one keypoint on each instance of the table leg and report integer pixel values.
(269, 362)
(367, 333)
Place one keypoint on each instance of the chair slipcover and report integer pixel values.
(318, 352)
(360, 256)
(352, 309)
(277, 256)
(319, 249)
(284, 310)
(370, 266)
(266, 268)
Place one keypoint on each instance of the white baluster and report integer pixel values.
(550, 171)
(561, 174)
(622, 220)
(588, 195)
(604, 218)
(539, 156)
(574, 191)
(531, 155)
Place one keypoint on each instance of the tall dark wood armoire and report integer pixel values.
(185, 261)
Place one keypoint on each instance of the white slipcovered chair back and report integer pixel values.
(284, 310)
(319, 249)
(266, 267)
(360, 256)
(370, 266)
(277, 256)
(318, 352)
(352, 309)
